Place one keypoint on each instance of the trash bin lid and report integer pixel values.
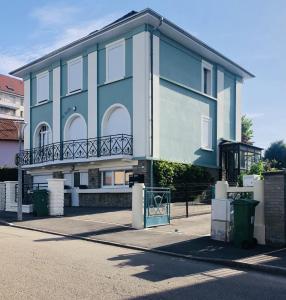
(245, 202)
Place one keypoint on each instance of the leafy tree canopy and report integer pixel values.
(246, 130)
(277, 152)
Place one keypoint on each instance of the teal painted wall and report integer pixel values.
(229, 106)
(180, 125)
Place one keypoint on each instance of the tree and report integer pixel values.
(277, 152)
(246, 130)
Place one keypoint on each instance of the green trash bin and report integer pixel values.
(40, 203)
(243, 221)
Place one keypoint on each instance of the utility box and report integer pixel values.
(248, 180)
(221, 219)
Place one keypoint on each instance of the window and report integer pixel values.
(115, 178)
(206, 133)
(206, 78)
(115, 61)
(44, 136)
(80, 178)
(75, 75)
(43, 87)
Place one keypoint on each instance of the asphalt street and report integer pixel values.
(35, 265)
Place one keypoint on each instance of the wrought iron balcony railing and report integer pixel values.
(120, 144)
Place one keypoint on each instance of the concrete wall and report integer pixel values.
(118, 200)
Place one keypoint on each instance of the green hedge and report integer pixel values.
(8, 174)
(188, 182)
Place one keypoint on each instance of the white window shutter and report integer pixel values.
(115, 61)
(43, 87)
(75, 75)
(206, 133)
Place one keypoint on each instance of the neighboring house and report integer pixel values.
(11, 98)
(102, 107)
(9, 145)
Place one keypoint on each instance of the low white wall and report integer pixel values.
(56, 196)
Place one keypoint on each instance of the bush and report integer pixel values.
(186, 181)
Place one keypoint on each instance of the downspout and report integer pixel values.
(152, 99)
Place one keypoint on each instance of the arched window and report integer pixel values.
(75, 128)
(43, 135)
(116, 120)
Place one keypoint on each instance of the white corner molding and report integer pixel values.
(56, 104)
(141, 94)
(220, 110)
(238, 96)
(92, 95)
(27, 98)
(156, 97)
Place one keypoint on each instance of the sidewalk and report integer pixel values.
(183, 237)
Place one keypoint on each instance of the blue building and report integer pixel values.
(137, 90)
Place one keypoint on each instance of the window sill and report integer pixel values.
(207, 149)
(74, 92)
(41, 103)
(115, 80)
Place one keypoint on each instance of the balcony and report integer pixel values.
(79, 150)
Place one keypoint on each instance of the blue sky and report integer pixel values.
(250, 32)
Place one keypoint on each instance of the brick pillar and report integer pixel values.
(94, 179)
(11, 204)
(56, 196)
(2, 195)
(143, 167)
(275, 207)
(58, 175)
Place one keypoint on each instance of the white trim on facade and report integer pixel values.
(108, 48)
(220, 110)
(41, 76)
(238, 97)
(141, 94)
(69, 63)
(56, 104)
(92, 95)
(27, 93)
(208, 66)
(156, 97)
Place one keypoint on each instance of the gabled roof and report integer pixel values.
(8, 130)
(11, 85)
(128, 22)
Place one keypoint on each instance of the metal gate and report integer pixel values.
(2, 196)
(156, 206)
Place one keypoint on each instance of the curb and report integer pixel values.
(219, 261)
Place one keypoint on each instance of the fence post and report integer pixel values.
(138, 205)
(11, 204)
(56, 196)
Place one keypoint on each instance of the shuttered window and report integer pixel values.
(43, 87)
(206, 133)
(115, 61)
(75, 75)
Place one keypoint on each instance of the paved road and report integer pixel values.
(34, 265)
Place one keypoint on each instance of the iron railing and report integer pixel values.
(27, 191)
(119, 144)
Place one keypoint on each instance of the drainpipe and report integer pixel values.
(152, 98)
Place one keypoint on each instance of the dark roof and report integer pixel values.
(8, 130)
(11, 85)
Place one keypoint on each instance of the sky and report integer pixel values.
(250, 32)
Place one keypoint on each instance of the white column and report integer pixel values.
(56, 196)
(92, 95)
(156, 97)
(11, 204)
(27, 98)
(138, 206)
(220, 110)
(259, 224)
(56, 104)
(221, 190)
(238, 94)
(141, 94)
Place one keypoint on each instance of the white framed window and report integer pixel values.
(206, 132)
(43, 87)
(207, 74)
(116, 178)
(115, 61)
(75, 75)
